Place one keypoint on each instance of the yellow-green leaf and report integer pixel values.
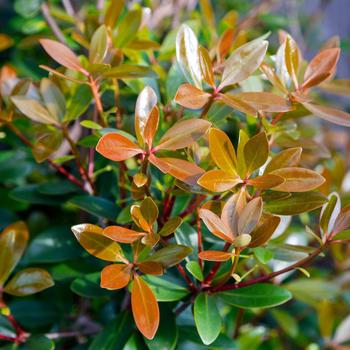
(218, 180)
(256, 152)
(285, 159)
(99, 45)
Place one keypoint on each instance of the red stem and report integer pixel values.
(187, 279)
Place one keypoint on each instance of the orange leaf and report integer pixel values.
(122, 235)
(115, 276)
(117, 147)
(218, 181)
(236, 103)
(214, 255)
(151, 126)
(144, 308)
(266, 181)
(191, 97)
(321, 67)
(206, 66)
(250, 216)
(264, 230)
(287, 158)
(179, 168)
(151, 268)
(62, 54)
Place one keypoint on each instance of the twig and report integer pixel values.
(187, 279)
(52, 23)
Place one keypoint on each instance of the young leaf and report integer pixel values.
(115, 276)
(342, 222)
(264, 230)
(328, 113)
(285, 159)
(215, 255)
(207, 317)
(183, 134)
(206, 66)
(13, 241)
(250, 216)
(218, 181)
(149, 210)
(122, 235)
(145, 103)
(292, 59)
(259, 295)
(222, 151)
(29, 281)
(128, 28)
(243, 62)
(236, 103)
(298, 179)
(187, 55)
(273, 78)
(191, 97)
(195, 270)
(138, 218)
(266, 181)
(151, 126)
(170, 255)
(113, 11)
(330, 212)
(62, 54)
(117, 147)
(151, 268)
(144, 308)
(92, 239)
(170, 226)
(256, 152)
(129, 71)
(98, 46)
(321, 67)
(53, 99)
(241, 167)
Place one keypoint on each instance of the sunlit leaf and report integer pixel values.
(236, 103)
(151, 126)
(250, 216)
(256, 152)
(151, 268)
(292, 59)
(195, 270)
(264, 230)
(191, 97)
(330, 212)
(215, 255)
(99, 45)
(115, 276)
(170, 226)
(128, 27)
(206, 66)
(113, 11)
(122, 235)
(129, 71)
(266, 181)
(170, 255)
(285, 159)
(218, 180)
(342, 222)
(149, 210)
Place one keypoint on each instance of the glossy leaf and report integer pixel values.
(330, 212)
(250, 216)
(183, 134)
(29, 281)
(215, 255)
(195, 270)
(128, 27)
(99, 45)
(170, 255)
(206, 66)
(285, 159)
(256, 152)
(170, 226)
(218, 181)
(151, 126)
(144, 308)
(292, 59)
(187, 55)
(117, 147)
(342, 222)
(53, 99)
(207, 317)
(191, 97)
(266, 181)
(129, 71)
(13, 241)
(259, 295)
(115, 276)
(113, 11)
(236, 103)
(122, 235)
(149, 210)
(243, 62)
(264, 230)
(92, 239)
(138, 218)
(298, 179)
(151, 268)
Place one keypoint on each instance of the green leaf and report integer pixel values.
(29, 281)
(207, 318)
(78, 103)
(40, 342)
(297, 203)
(127, 29)
(114, 335)
(113, 11)
(170, 226)
(170, 255)
(263, 255)
(129, 71)
(286, 321)
(195, 270)
(259, 295)
(97, 206)
(99, 45)
(187, 236)
(166, 289)
(88, 286)
(90, 125)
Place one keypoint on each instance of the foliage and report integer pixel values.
(184, 163)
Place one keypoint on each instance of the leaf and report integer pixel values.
(236, 103)
(170, 226)
(342, 222)
(61, 75)
(149, 210)
(292, 59)
(138, 218)
(265, 101)
(87, 285)
(328, 113)
(337, 86)
(285, 159)
(62, 54)
(215, 255)
(170, 255)
(29, 281)
(99, 45)
(263, 255)
(191, 97)
(128, 28)
(298, 179)
(266, 181)
(151, 126)
(243, 62)
(179, 168)
(215, 225)
(144, 308)
(242, 140)
(297, 203)
(115, 276)
(151, 268)
(207, 318)
(78, 103)
(187, 55)
(113, 11)
(330, 212)
(122, 235)
(53, 99)
(117, 147)
(273, 78)
(218, 180)
(264, 230)
(256, 152)
(195, 270)
(321, 67)
(222, 151)
(145, 104)
(206, 66)
(34, 110)
(129, 71)
(183, 134)
(13, 242)
(92, 239)
(260, 295)
(250, 216)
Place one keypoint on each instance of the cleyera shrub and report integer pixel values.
(201, 169)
